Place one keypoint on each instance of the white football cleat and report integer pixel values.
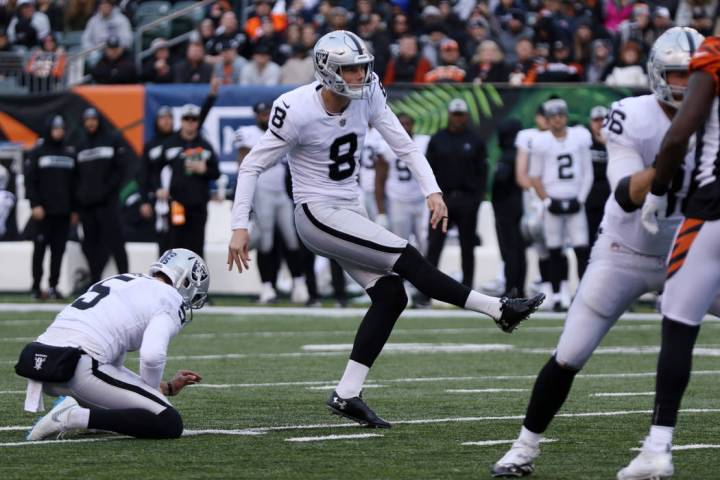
(56, 420)
(299, 293)
(517, 462)
(267, 294)
(649, 465)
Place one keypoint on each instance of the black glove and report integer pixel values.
(564, 207)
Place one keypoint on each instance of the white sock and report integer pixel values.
(531, 438)
(352, 380)
(267, 285)
(478, 302)
(78, 418)
(659, 438)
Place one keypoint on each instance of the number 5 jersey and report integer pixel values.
(324, 149)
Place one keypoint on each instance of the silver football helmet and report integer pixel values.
(339, 49)
(671, 52)
(188, 273)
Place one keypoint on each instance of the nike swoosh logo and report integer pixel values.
(57, 414)
(286, 105)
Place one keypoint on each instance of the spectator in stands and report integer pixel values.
(101, 162)
(5, 45)
(194, 164)
(261, 70)
(507, 201)
(458, 158)
(630, 70)
(601, 61)
(264, 12)
(338, 19)
(408, 66)
(698, 14)
(513, 29)
(582, 42)
(293, 35)
(227, 33)
(638, 28)
(206, 32)
(156, 69)
(559, 68)
(452, 66)
(298, 69)
(488, 64)
(77, 13)
(108, 21)
(477, 31)
(46, 65)
(400, 26)
(53, 12)
(115, 66)
(49, 186)
(28, 25)
(194, 68)
(230, 66)
(661, 20)
(377, 40)
(309, 36)
(524, 62)
(617, 11)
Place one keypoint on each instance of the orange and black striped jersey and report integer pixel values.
(704, 195)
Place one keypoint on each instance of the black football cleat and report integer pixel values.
(515, 310)
(355, 409)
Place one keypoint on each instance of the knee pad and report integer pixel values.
(389, 291)
(170, 424)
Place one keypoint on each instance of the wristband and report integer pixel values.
(658, 189)
(170, 389)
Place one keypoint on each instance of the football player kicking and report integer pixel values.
(626, 261)
(693, 274)
(81, 354)
(322, 127)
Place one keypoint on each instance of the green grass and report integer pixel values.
(587, 447)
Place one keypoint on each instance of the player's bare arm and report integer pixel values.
(521, 170)
(692, 114)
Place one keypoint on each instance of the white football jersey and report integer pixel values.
(324, 149)
(373, 142)
(633, 142)
(272, 179)
(524, 139)
(564, 165)
(122, 314)
(7, 201)
(401, 184)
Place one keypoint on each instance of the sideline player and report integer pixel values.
(81, 354)
(561, 173)
(321, 127)
(273, 209)
(626, 260)
(693, 274)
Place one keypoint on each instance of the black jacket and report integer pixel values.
(151, 164)
(190, 189)
(183, 72)
(118, 71)
(459, 161)
(506, 192)
(101, 163)
(600, 190)
(50, 177)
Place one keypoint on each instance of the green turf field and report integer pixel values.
(267, 376)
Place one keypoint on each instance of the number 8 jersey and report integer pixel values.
(324, 149)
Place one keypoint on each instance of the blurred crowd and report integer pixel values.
(420, 41)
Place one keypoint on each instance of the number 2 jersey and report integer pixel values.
(122, 314)
(634, 129)
(704, 196)
(324, 149)
(564, 165)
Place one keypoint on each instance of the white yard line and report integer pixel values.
(211, 431)
(423, 421)
(14, 428)
(11, 392)
(623, 394)
(693, 446)
(333, 385)
(487, 443)
(486, 390)
(333, 437)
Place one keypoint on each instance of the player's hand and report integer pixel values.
(382, 220)
(38, 213)
(238, 250)
(438, 211)
(146, 210)
(653, 209)
(182, 379)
